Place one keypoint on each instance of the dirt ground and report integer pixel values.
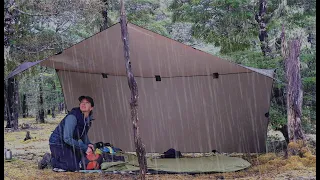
(26, 154)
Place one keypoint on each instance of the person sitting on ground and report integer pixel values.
(69, 141)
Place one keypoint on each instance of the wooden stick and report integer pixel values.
(140, 149)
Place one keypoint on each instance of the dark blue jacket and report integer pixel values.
(73, 128)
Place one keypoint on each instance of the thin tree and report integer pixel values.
(11, 93)
(12, 96)
(24, 106)
(104, 13)
(140, 147)
(53, 109)
(7, 106)
(40, 116)
(262, 21)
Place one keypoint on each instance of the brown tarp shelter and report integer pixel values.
(202, 102)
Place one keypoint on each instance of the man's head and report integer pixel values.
(86, 103)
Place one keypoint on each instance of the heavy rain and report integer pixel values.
(169, 89)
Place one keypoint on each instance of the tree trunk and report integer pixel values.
(24, 106)
(5, 104)
(6, 101)
(140, 148)
(284, 130)
(13, 103)
(11, 90)
(105, 16)
(263, 35)
(294, 92)
(10, 18)
(53, 113)
(40, 117)
(53, 108)
(60, 108)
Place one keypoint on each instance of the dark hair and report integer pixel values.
(87, 98)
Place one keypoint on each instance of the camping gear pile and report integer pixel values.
(102, 152)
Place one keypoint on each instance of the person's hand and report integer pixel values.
(89, 150)
(91, 145)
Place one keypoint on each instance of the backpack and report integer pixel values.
(171, 153)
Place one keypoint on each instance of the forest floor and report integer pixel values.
(26, 154)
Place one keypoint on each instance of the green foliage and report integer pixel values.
(308, 6)
(309, 84)
(159, 27)
(228, 24)
(253, 59)
(309, 118)
(145, 13)
(52, 91)
(278, 115)
(308, 56)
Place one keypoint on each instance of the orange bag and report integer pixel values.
(94, 161)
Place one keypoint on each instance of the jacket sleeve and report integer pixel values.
(69, 127)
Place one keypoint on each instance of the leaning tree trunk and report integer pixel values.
(140, 148)
(13, 103)
(263, 35)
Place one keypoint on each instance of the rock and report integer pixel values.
(277, 135)
(311, 140)
(25, 126)
(311, 137)
(276, 142)
(276, 146)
